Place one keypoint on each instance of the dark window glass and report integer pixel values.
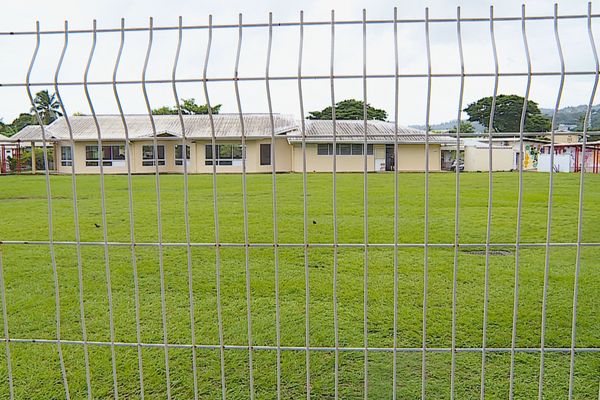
(106, 153)
(236, 152)
(344, 149)
(66, 157)
(225, 154)
(91, 156)
(225, 151)
(179, 155)
(265, 154)
(148, 155)
(357, 149)
(324, 149)
(118, 152)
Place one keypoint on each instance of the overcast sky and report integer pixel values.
(17, 49)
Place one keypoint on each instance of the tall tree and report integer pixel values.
(349, 109)
(507, 115)
(47, 106)
(188, 107)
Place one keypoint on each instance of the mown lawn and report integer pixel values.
(30, 286)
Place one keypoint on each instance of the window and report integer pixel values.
(148, 155)
(265, 154)
(179, 154)
(66, 156)
(112, 155)
(324, 149)
(343, 149)
(226, 154)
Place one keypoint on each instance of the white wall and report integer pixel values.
(562, 163)
(476, 158)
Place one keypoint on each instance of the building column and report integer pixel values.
(55, 155)
(33, 158)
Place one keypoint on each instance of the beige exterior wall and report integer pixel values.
(288, 158)
(283, 156)
(560, 137)
(476, 159)
(411, 157)
(196, 162)
(317, 163)
(120, 167)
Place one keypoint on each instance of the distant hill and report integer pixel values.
(444, 126)
(572, 115)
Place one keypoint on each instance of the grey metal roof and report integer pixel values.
(321, 131)
(139, 126)
(226, 126)
(32, 133)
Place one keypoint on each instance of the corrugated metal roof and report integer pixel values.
(403, 139)
(356, 127)
(32, 133)
(226, 126)
(321, 131)
(139, 126)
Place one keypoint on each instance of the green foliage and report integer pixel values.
(18, 123)
(188, 107)
(507, 116)
(465, 127)
(47, 106)
(594, 121)
(349, 109)
(25, 160)
(164, 110)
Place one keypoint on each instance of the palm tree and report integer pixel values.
(47, 106)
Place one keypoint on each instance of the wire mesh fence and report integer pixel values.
(325, 325)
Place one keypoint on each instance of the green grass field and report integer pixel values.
(30, 288)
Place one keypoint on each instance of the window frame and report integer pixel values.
(106, 161)
(150, 161)
(66, 161)
(267, 159)
(235, 150)
(326, 149)
(179, 160)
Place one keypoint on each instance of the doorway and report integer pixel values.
(389, 157)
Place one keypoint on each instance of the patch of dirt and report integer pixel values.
(492, 252)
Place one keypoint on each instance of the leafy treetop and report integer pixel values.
(349, 109)
(188, 107)
(507, 115)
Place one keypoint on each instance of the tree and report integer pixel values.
(18, 123)
(593, 122)
(188, 107)
(507, 116)
(47, 106)
(349, 109)
(465, 127)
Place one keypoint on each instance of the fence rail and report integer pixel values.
(306, 245)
